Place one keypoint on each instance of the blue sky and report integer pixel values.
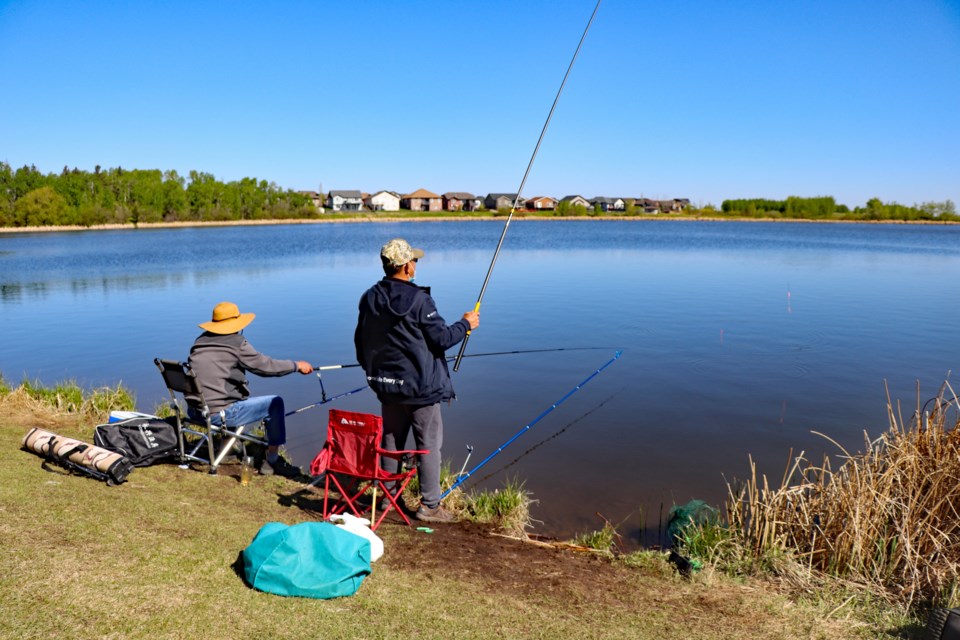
(706, 100)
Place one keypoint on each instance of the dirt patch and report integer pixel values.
(478, 554)
(474, 553)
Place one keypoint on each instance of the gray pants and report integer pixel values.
(427, 425)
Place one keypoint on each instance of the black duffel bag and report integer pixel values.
(142, 440)
(943, 624)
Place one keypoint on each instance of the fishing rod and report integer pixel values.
(331, 367)
(463, 477)
(325, 400)
(516, 200)
(556, 434)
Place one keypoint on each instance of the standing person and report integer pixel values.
(400, 341)
(220, 358)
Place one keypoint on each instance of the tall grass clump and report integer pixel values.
(68, 397)
(508, 508)
(887, 518)
(606, 539)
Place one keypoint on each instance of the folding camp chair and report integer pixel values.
(350, 463)
(199, 439)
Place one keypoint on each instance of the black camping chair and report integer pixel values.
(199, 439)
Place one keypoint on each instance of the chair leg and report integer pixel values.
(211, 454)
(226, 448)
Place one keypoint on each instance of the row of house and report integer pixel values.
(423, 200)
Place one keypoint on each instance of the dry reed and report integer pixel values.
(887, 519)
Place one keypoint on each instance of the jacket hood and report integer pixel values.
(398, 296)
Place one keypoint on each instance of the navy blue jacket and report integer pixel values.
(401, 342)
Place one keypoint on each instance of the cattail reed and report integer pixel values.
(887, 518)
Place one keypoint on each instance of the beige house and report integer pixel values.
(541, 203)
(383, 201)
(422, 200)
(577, 200)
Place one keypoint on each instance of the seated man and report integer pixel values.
(220, 358)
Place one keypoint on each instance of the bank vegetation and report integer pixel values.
(118, 196)
(859, 550)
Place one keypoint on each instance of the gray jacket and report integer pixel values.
(221, 362)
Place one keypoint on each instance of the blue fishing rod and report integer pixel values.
(527, 427)
(323, 396)
(516, 200)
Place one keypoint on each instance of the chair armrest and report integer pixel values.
(396, 455)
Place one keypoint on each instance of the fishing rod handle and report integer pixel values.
(463, 347)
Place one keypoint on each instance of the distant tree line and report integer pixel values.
(76, 197)
(29, 198)
(826, 208)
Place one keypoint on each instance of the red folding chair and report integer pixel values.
(352, 451)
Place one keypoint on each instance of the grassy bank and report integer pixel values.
(156, 558)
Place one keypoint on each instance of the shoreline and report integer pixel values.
(395, 219)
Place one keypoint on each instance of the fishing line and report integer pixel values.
(480, 355)
(323, 392)
(529, 425)
(516, 200)
(548, 439)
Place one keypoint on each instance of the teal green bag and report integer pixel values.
(310, 559)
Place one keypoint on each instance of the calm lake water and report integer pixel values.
(738, 338)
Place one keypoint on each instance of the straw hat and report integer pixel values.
(227, 319)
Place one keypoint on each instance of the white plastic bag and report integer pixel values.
(360, 527)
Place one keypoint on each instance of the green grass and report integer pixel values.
(508, 508)
(69, 397)
(155, 558)
(605, 539)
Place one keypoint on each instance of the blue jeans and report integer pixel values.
(253, 410)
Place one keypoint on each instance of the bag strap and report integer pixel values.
(80, 448)
(64, 460)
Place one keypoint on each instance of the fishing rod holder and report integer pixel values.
(323, 391)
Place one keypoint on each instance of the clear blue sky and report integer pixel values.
(696, 99)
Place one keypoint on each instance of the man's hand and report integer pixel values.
(304, 367)
(473, 317)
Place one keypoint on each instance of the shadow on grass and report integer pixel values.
(237, 567)
(304, 499)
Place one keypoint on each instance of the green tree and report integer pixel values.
(25, 180)
(174, 196)
(6, 194)
(41, 207)
(146, 195)
(202, 195)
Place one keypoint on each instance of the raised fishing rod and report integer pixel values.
(463, 477)
(331, 367)
(516, 200)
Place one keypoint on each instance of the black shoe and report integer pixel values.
(279, 467)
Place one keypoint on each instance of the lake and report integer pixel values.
(739, 338)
